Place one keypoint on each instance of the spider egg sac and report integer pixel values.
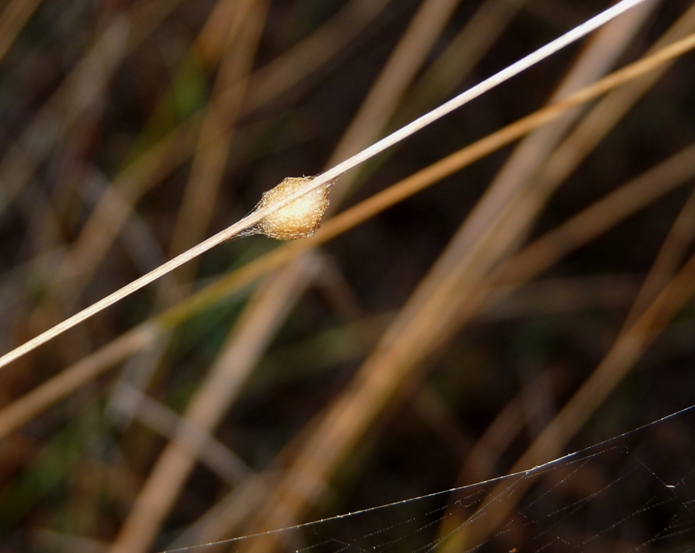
(298, 219)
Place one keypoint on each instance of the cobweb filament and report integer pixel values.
(634, 492)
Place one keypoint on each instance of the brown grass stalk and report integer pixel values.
(249, 221)
(430, 317)
(532, 260)
(180, 77)
(12, 21)
(670, 256)
(372, 116)
(255, 328)
(162, 158)
(622, 357)
(217, 131)
(79, 91)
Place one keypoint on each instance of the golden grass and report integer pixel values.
(532, 260)
(176, 417)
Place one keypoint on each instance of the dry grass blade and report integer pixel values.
(670, 256)
(279, 76)
(115, 207)
(325, 178)
(453, 65)
(80, 90)
(218, 458)
(532, 260)
(431, 317)
(68, 381)
(621, 358)
(598, 218)
(12, 20)
(372, 116)
(208, 405)
(384, 96)
(339, 398)
(523, 165)
(485, 455)
(162, 158)
(217, 130)
(561, 296)
(605, 115)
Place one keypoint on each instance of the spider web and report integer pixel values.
(634, 492)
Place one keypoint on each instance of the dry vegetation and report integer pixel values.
(510, 284)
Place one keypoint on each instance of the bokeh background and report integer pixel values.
(483, 303)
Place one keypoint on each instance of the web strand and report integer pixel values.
(548, 510)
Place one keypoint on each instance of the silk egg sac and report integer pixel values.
(299, 218)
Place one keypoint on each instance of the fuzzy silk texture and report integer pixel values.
(298, 219)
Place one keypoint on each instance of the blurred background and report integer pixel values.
(477, 302)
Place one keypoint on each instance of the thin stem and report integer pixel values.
(253, 218)
(478, 90)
